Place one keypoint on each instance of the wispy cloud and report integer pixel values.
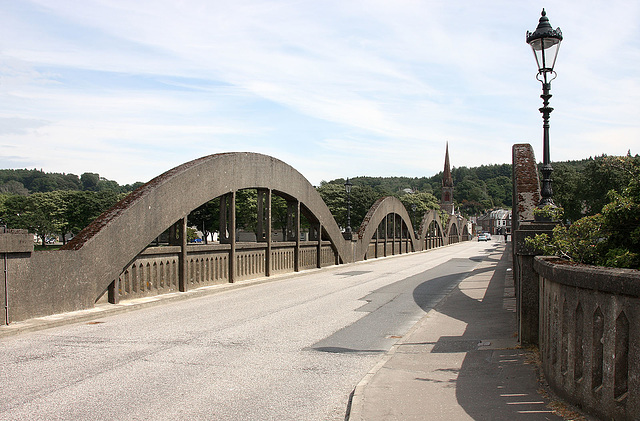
(130, 89)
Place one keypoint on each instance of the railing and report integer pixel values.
(156, 270)
(590, 337)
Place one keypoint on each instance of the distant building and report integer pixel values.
(446, 202)
(496, 222)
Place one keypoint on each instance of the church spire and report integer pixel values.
(446, 204)
(447, 180)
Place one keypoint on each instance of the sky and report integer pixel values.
(338, 88)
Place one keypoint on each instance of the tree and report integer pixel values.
(44, 214)
(206, 217)
(80, 208)
(417, 204)
(609, 238)
(566, 190)
(89, 181)
(602, 174)
(335, 197)
(362, 198)
(14, 187)
(474, 190)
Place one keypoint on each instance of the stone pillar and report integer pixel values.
(15, 245)
(296, 256)
(386, 233)
(393, 247)
(375, 253)
(527, 281)
(113, 292)
(267, 263)
(183, 267)
(526, 196)
(319, 245)
(232, 236)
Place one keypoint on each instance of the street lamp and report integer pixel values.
(545, 42)
(347, 187)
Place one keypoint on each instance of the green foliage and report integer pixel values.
(549, 213)
(191, 234)
(35, 181)
(476, 189)
(582, 187)
(364, 196)
(57, 212)
(583, 241)
(206, 217)
(417, 204)
(611, 237)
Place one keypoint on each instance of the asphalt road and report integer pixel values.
(291, 349)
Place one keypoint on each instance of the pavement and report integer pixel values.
(461, 361)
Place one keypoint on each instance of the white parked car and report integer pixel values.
(483, 236)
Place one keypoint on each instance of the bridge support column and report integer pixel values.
(386, 234)
(377, 234)
(319, 245)
(183, 267)
(228, 229)
(393, 221)
(113, 292)
(296, 261)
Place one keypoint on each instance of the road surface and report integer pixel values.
(290, 349)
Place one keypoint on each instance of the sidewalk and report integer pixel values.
(461, 361)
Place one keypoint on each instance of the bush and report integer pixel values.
(610, 238)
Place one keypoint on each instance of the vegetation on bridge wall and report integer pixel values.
(610, 237)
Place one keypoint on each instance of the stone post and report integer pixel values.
(319, 245)
(527, 281)
(15, 245)
(526, 196)
(183, 266)
(296, 257)
(232, 236)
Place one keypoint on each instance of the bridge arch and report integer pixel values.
(457, 230)
(431, 230)
(378, 213)
(113, 240)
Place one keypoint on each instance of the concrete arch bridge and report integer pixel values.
(115, 258)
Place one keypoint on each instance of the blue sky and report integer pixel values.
(133, 88)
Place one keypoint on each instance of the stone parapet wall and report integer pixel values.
(589, 336)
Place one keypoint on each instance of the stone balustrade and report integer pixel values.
(589, 336)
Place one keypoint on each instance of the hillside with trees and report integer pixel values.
(24, 182)
(54, 203)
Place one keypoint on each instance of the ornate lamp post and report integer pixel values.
(347, 187)
(545, 42)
